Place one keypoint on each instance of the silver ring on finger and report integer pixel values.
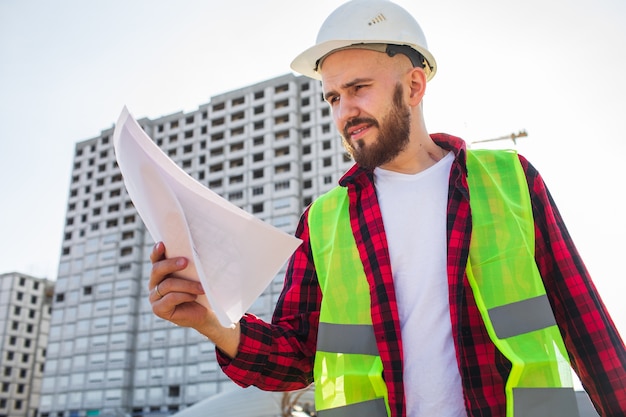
(156, 289)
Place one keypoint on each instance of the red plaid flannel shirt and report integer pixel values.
(279, 356)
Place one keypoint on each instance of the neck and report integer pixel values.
(420, 154)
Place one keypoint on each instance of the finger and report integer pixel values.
(173, 307)
(173, 285)
(158, 252)
(179, 285)
(157, 292)
(164, 268)
(180, 306)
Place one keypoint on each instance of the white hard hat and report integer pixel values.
(368, 24)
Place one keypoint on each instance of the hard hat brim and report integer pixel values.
(306, 62)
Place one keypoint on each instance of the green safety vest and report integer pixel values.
(517, 314)
(509, 291)
(348, 369)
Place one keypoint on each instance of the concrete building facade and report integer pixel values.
(25, 304)
(269, 148)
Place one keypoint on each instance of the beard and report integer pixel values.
(393, 136)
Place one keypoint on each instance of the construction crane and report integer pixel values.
(512, 136)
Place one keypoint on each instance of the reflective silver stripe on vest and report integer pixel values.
(522, 317)
(372, 408)
(548, 402)
(347, 338)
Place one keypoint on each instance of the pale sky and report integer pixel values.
(554, 68)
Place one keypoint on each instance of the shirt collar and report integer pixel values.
(356, 174)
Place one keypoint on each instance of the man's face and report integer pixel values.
(368, 105)
(392, 138)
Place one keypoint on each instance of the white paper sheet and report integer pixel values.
(233, 254)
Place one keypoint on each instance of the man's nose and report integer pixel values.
(346, 110)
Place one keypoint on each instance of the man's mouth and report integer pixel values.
(356, 129)
(357, 132)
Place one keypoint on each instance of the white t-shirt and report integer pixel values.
(414, 213)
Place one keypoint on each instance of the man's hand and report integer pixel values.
(174, 299)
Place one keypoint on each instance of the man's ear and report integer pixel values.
(417, 85)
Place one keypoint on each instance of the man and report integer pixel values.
(387, 252)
